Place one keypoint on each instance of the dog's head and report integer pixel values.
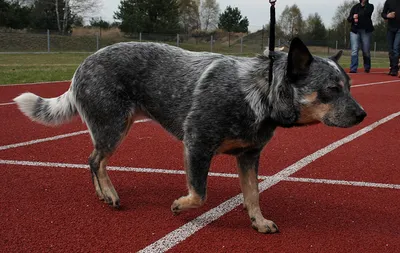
(314, 90)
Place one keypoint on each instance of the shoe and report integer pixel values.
(353, 71)
(392, 73)
(367, 71)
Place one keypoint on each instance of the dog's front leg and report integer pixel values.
(197, 163)
(248, 170)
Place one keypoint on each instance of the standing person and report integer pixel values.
(391, 13)
(361, 29)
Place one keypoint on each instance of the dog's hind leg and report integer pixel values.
(197, 163)
(248, 171)
(106, 139)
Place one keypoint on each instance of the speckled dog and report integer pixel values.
(214, 104)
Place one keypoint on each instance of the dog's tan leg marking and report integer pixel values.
(107, 188)
(110, 195)
(192, 200)
(101, 181)
(249, 185)
(228, 145)
(96, 180)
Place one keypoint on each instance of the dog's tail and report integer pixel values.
(48, 111)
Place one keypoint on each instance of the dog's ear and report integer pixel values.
(337, 57)
(299, 59)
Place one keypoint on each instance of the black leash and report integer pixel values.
(271, 40)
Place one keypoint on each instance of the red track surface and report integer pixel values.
(55, 209)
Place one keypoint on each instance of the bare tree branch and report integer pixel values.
(209, 13)
(85, 7)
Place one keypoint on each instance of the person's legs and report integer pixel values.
(390, 40)
(396, 51)
(366, 49)
(354, 41)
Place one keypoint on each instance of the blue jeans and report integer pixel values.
(360, 39)
(393, 38)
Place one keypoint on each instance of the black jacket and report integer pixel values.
(392, 5)
(364, 17)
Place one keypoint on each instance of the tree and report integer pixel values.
(78, 21)
(380, 25)
(340, 25)
(99, 22)
(189, 15)
(231, 20)
(291, 21)
(46, 15)
(209, 10)
(14, 14)
(149, 16)
(60, 14)
(75, 7)
(315, 30)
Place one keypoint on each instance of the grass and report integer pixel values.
(375, 62)
(29, 68)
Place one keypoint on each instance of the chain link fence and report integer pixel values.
(237, 44)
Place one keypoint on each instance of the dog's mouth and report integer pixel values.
(297, 124)
(350, 122)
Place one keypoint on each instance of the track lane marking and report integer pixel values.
(4, 104)
(57, 137)
(182, 233)
(211, 174)
(376, 83)
(342, 182)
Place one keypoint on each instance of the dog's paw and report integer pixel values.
(100, 194)
(176, 207)
(186, 202)
(264, 226)
(110, 197)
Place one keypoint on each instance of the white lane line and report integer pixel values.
(57, 137)
(341, 182)
(190, 228)
(212, 174)
(21, 144)
(377, 83)
(113, 168)
(11, 103)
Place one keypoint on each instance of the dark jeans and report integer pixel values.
(360, 39)
(393, 38)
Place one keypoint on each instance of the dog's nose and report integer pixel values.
(361, 115)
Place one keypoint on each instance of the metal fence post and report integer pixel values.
(212, 42)
(48, 41)
(336, 46)
(97, 41)
(177, 40)
(241, 45)
(375, 49)
(262, 39)
(140, 37)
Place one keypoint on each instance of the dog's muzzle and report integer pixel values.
(345, 113)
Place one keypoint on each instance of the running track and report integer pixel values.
(328, 189)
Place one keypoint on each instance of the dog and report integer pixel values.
(214, 104)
